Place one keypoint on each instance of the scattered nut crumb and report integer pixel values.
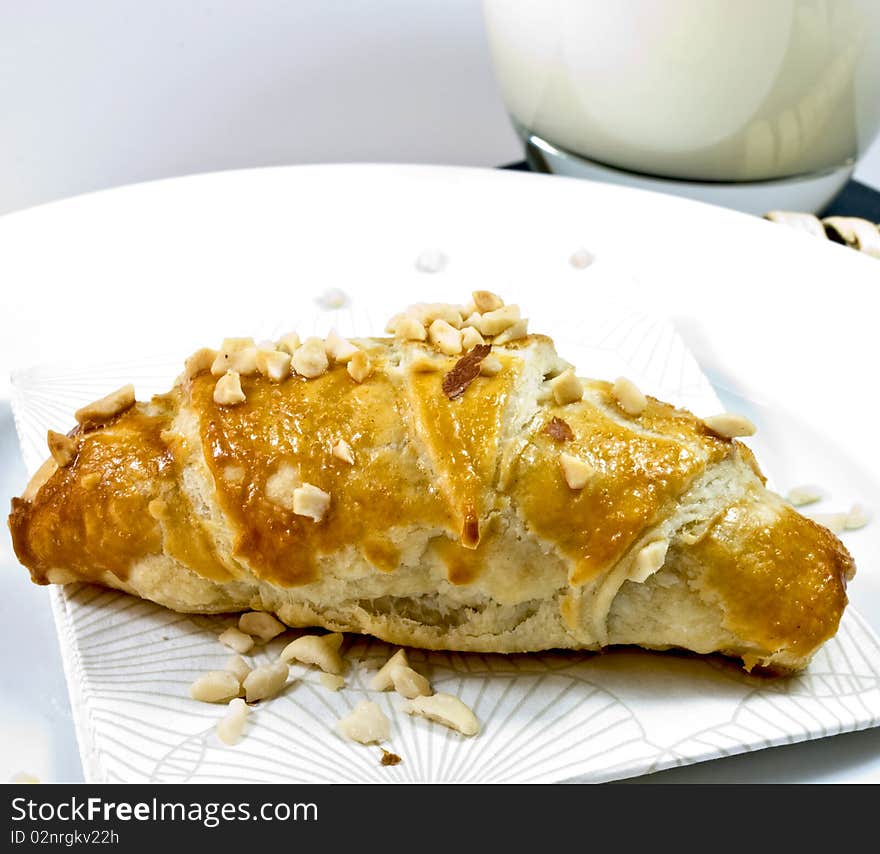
(260, 624)
(216, 686)
(581, 259)
(332, 298)
(230, 727)
(342, 451)
(366, 724)
(444, 709)
(445, 337)
(382, 680)
(310, 358)
(566, 388)
(730, 426)
(339, 349)
(389, 758)
(465, 371)
(360, 367)
(800, 496)
(486, 301)
(425, 363)
(101, 411)
(409, 683)
(309, 500)
(650, 559)
(431, 261)
(332, 681)
(428, 312)
(237, 640)
(265, 681)
(558, 429)
(857, 518)
(236, 665)
(834, 522)
(228, 391)
(62, 448)
(577, 472)
(629, 396)
(321, 650)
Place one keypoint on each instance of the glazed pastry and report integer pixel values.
(455, 486)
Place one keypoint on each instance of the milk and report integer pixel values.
(712, 90)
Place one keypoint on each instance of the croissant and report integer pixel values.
(455, 486)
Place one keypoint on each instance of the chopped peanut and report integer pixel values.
(629, 397)
(410, 684)
(410, 329)
(216, 686)
(309, 500)
(228, 391)
(360, 367)
(237, 665)
(273, 364)
(470, 337)
(576, 471)
(365, 724)
(426, 363)
(445, 337)
(730, 426)
(566, 388)
(518, 329)
(230, 728)
(490, 366)
(649, 560)
(237, 640)
(342, 451)
(281, 484)
(800, 496)
(444, 709)
(495, 322)
(310, 359)
(339, 349)
(321, 650)
(486, 301)
(199, 361)
(427, 313)
(62, 448)
(332, 681)
(289, 343)
(265, 681)
(229, 347)
(260, 624)
(382, 680)
(106, 408)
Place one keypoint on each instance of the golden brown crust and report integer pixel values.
(453, 526)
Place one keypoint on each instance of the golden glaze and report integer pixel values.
(637, 477)
(296, 423)
(781, 577)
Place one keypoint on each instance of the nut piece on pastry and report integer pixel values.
(62, 448)
(629, 396)
(576, 471)
(103, 410)
(486, 301)
(310, 359)
(228, 391)
(458, 528)
(730, 426)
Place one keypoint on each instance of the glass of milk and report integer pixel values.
(753, 104)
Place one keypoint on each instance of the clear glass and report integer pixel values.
(694, 91)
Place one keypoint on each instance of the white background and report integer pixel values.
(98, 93)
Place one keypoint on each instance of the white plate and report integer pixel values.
(783, 325)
